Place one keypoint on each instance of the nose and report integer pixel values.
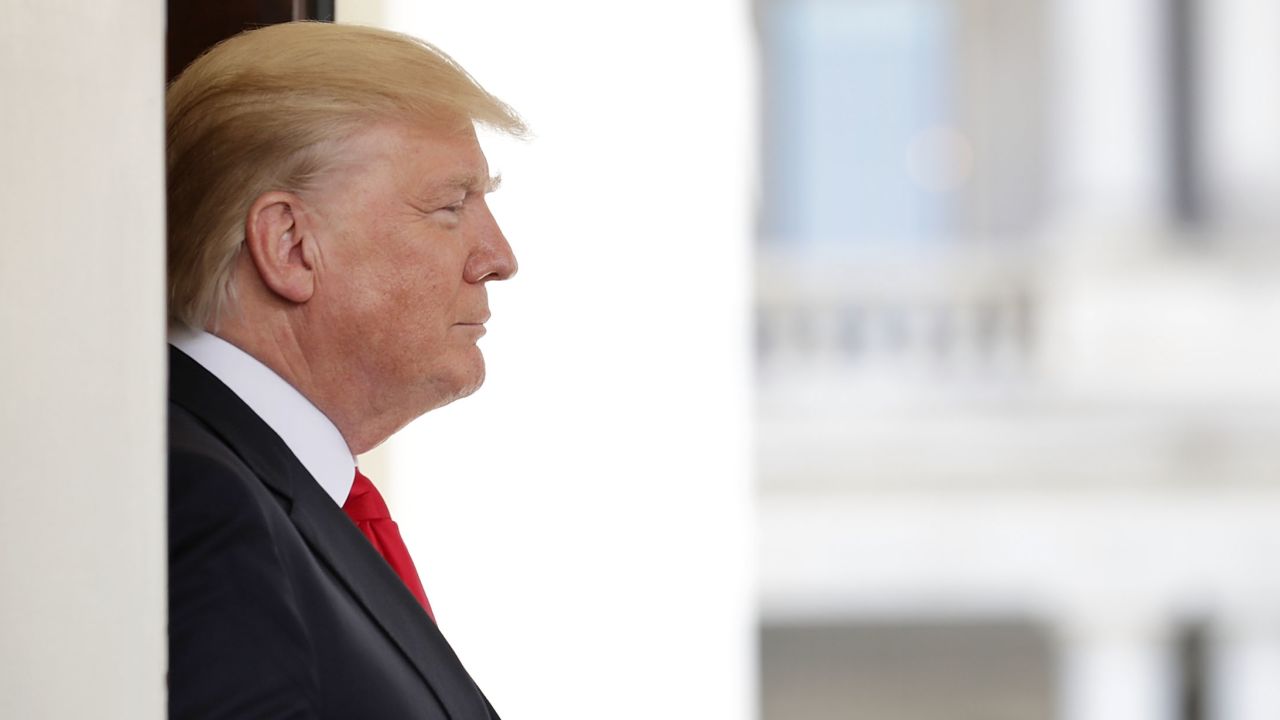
(493, 258)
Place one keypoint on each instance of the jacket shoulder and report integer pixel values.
(238, 645)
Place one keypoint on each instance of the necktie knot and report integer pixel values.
(365, 503)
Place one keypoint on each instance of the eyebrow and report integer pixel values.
(467, 183)
(475, 183)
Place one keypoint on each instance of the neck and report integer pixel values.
(318, 372)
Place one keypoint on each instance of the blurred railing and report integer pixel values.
(954, 367)
(945, 319)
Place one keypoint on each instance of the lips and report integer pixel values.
(478, 329)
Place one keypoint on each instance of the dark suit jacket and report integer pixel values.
(278, 606)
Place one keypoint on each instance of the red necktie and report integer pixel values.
(369, 512)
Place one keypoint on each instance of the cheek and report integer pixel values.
(421, 283)
(409, 316)
(418, 293)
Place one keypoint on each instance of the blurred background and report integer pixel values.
(1017, 400)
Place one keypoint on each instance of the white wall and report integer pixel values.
(581, 524)
(82, 364)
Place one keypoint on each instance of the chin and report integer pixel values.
(446, 390)
(467, 388)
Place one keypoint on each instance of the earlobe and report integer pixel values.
(275, 236)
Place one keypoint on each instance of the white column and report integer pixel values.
(82, 360)
(1107, 134)
(1240, 93)
(1245, 667)
(1116, 668)
(1108, 202)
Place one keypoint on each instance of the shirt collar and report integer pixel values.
(311, 436)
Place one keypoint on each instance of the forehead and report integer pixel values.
(419, 157)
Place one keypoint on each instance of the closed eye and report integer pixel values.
(451, 214)
(450, 209)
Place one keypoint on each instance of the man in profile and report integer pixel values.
(328, 253)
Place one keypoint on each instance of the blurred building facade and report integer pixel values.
(1017, 403)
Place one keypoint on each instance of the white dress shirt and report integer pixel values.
(311, 436)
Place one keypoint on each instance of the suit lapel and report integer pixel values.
(376, 586)
(332, 536)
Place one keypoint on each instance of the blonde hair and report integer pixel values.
(269, 109)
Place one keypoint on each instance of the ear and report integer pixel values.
(280, 246)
